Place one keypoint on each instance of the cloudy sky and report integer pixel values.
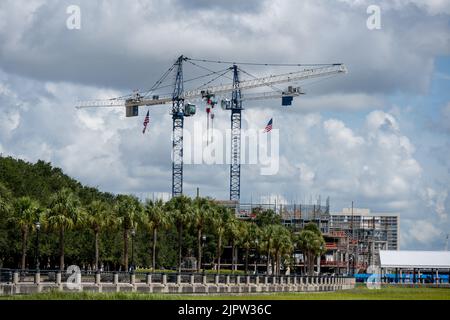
(378, 136)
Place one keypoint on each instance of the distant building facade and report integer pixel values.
(354, 237)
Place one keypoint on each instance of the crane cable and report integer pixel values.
(264, 64)
(268, 85)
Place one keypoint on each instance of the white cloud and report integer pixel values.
(339, 134)
(423, 231)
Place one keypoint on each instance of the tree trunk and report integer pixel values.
(199, 249)
(310, 264)
(277, 272)
(268, 258)
(219, 246)
(154, 249)
(246, 260)
(279, 263)
(61, 249)
(180, 240)
(24, 246)
(96, 250)
(125, 249)
(233, 256)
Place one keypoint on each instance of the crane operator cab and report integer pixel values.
(189, 109)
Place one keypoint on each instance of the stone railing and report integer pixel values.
(20, 282)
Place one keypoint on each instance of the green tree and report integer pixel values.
(282, 245)
(233, 231)
(267, 235)
(25, 215)
(221, 217)
(129, 215)
(311, 242)
(5, 199)
(157, 219)
(266, 218)
(181, 210)
(248, 235)
(64, 214)
(98, 218)
(202, 212)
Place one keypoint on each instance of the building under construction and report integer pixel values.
(353, 236)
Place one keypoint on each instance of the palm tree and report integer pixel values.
(220, 219)
(233, 230)
(64, 214)
(25, 215)
(181, 210)
(282, 244)
(248, 234)
(129, 214)
(98, 217)
(267, 234)
(157, 219)
(202, 211)
(312, 243)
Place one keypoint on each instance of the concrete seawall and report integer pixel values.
(177, 284)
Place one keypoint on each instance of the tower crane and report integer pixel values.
(181, 106)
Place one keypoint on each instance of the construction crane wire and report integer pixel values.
(193, 79)
(214, 79)
(159, 82)
(204, 68)
(268, 85)
(319, 80)
(264, 64)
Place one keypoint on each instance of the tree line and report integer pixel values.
(83, 226)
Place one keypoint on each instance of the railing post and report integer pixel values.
(266, 280)
(247, 279)
(16, 277)
(97, 278)
(257, 280)
(132, 278)
(116, 278)
(192, 279)
(58, 278)
(227, 279)
(148, 279)
(204, 279)
(178, 279)
(216, 279)
(238, 279)
(37, 277)
(164, 279)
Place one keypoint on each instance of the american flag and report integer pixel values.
(269, 126)
(146, 121)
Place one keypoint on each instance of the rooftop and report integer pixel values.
(415, 259)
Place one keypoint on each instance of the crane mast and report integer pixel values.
(235, 166)
(177, 138)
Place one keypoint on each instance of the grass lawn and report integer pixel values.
(359, 293)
